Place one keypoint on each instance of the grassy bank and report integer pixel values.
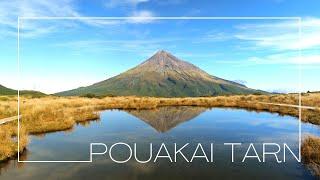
(8, 144)
(311, 154)
(50, 113)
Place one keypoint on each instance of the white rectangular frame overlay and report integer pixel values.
(151, 18)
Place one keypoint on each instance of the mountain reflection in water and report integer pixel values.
(165, 118)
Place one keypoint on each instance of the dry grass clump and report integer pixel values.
(48, 115)
(8, 106)
(311, 99)
(39, 115)
(311, 154)
(129, 102)
(8, 140)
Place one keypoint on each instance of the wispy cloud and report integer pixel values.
(11, 10)
(136, 17)
(282, 35)
(31, 33)
(142, 16)
(143, 47)
(284, 58)
(132, 9)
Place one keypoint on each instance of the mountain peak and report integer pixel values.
(162, 52)
(163, 60)
(163, 75)
(163, 55)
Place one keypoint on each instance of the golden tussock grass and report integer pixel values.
(311, 154)
(8, 140)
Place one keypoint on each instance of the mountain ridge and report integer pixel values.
(4, 91)
(162, 75)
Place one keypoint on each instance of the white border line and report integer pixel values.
(163, 18)
(300, 86)
(18, 57)
(152, 18)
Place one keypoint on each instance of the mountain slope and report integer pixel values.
(7, 91)
(4, 91)
(163, 75)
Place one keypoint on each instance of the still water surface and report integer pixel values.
(167, 125)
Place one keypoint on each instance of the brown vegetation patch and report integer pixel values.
(311, 154)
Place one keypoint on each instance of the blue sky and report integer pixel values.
(57, 55)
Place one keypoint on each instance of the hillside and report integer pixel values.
(4, 91)
(7, 91)
(163, 75)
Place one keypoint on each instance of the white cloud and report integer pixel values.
(11, 10)
(136, 17)
(37, 31)
(142, 16)
(142, 13)
(101, 22)
(283, 58)
(282, 35)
